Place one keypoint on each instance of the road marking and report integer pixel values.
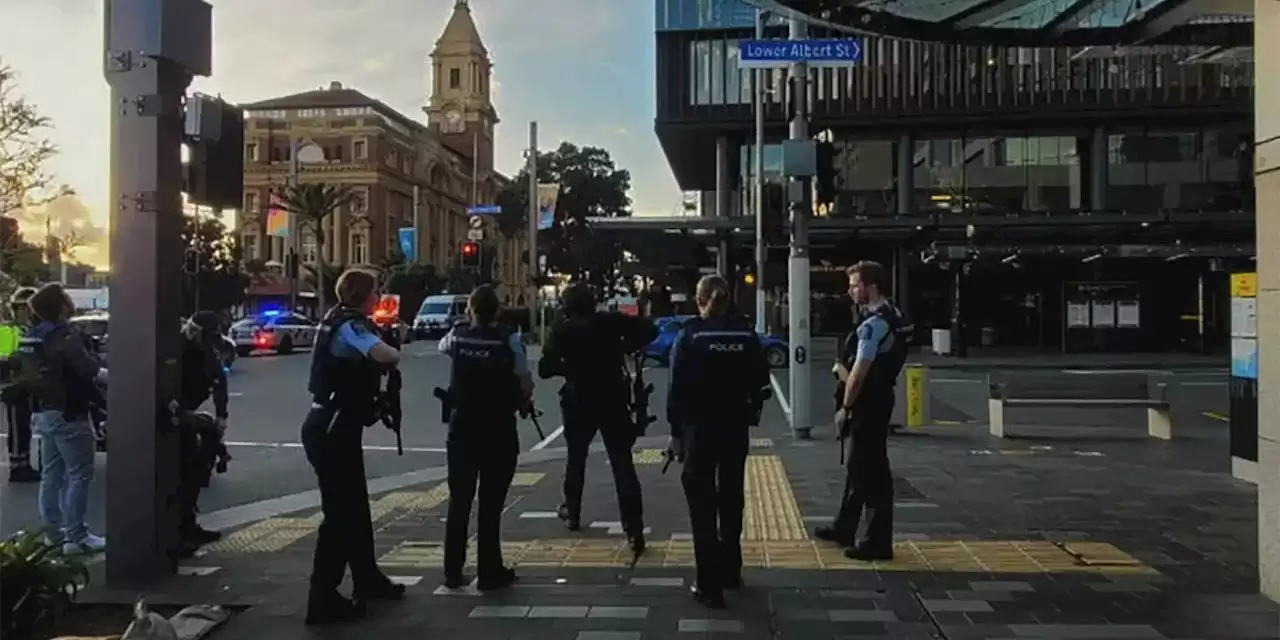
(549, 439)
(780, 396)
(1202, 383)
(1216, 416)
(1115, 372)
(298, 445)
(958, 380)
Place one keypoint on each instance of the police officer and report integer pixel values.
(488, 383)
(589, 349)
(871, 367)
(346, 373)
(17, 403)
(202, 376)
(718, 372)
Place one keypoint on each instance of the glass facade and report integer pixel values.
(982, 174)
(695, 15)
(1179, 169)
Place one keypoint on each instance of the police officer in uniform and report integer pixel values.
(589, 349)
(202, 377)
(17, 403)
(718, 373)
(489, 382)
(345, 385)
(871, 367)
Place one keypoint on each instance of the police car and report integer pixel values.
(659, 351)
(279, 331)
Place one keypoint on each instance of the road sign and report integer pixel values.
(781, 53)
(475, 234)
(484, 210)
(476, 222)
(409, 243)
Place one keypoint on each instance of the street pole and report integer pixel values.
(291, 262)
(758, 196)
(798, 262)
(152, 53)
(535, 306)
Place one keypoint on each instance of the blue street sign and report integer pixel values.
(780, 53)
(484, 210)
(409, 243)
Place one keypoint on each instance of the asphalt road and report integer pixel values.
(268, 404)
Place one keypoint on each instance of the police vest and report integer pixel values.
(722, 359)
(482, 377)
(351, 383)
(888, 364)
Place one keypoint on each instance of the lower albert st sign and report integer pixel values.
(780, 53)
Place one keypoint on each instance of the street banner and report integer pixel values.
(277, 218)
(547, 195)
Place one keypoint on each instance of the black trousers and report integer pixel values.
(619, 435)
(333, 445)
(868, 480)
(481, 453)
(714, 466)
(18, 417)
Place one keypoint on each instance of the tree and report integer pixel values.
(322, 278)
(21, 260)
(24, 150)
(412, 282)
(212, 277)
(312, 203)
(591, 185)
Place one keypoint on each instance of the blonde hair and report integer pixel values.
(355, 286)
(713, 293)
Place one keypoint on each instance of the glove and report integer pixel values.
(222, 424)
(675, 449)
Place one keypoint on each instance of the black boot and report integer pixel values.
(570, 519)
(711, 599)
(500, 579)
(23, 473)
(332, 608)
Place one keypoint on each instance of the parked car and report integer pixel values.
(659, 350)
(279, 331)
(438, 314)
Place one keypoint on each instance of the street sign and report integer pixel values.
(409, 243)
(781, 53)
(475, 234)
(484, 210)
(476, 222)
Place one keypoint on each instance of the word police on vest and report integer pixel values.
(785, 50)
(732, 347)
(472, 352)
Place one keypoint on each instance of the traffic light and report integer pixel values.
(749, 279)
(824, 182)
(470, 252)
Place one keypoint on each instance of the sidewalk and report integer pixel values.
(1075, 537)
(997, 358)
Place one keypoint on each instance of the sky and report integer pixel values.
(583, 69)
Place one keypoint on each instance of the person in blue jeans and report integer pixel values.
(63, 377)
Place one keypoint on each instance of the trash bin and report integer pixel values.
(988, 336)
(942, 342)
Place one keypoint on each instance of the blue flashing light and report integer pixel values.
(271, 313)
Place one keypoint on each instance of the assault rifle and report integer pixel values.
(387, 317)
(531, 413)
(640, 393)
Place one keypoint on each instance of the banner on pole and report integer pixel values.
(277, 218)
(409, 243)
(547, 195)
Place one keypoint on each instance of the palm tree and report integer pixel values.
(313, 202)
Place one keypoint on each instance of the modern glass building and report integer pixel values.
(1077, 173)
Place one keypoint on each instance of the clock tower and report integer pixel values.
(460, 109)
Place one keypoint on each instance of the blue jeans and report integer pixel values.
(66, 469)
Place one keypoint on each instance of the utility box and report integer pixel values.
(1243, 385)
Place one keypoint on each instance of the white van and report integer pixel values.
(438, 314)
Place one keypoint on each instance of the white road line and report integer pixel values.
(298, 445)
(779, 396)
(957, 380)
(1202, 383)
(549, 439)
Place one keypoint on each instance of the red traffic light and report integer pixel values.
(470, 249)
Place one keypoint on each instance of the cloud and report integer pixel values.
(620, 130)
(66, 218)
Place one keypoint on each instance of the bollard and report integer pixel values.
(917, 399)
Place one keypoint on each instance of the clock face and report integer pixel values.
(453, 120)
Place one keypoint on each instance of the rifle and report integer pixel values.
(446, 403)
(531, 413)
(640, 393)
(392, 414)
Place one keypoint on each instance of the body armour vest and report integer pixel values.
(348, 383)
(723, 358)
(883, 375)
(482, 377)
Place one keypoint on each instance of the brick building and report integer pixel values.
(407, 173)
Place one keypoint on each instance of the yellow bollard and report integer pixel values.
(916, 410)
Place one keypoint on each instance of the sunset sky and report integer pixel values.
(582, 68)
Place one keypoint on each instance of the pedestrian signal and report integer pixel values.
(470, 252)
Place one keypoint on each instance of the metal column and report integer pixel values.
(722, 202)
(798, 262)
(906, 159)
(152, 51)
(757, 185)
(1098, 169)
(535, 301)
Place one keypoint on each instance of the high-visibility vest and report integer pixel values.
(9, 337)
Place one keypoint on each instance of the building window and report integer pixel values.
(714, 75)
(251, 203)
(359, 242)
(455, 78)
(333, 153)
(359, 150)
(251, 152)
(249, 246)
(309, 247)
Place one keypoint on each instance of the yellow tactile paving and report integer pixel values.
(761, 443)
(524, 479)
(648, 456)
(268, 536)
(955, 556)
(771, 511)
(1099, 554)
